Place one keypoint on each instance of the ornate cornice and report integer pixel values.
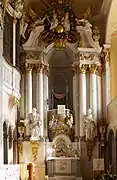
(34, 55)
(89, 56)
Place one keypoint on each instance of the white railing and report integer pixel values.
(11, 79)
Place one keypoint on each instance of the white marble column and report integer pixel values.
(46, 105)
(28, 89)
(93, 90)
(40, 97)
(82, 103)
(22, 105)
(14, 41)
(75, 100)
(99, 93)
(106, 79)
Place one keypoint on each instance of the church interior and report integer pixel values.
(58, 89)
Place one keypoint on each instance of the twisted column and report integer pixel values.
(82, 112)
(40, 97)
(93, 89)
(29, 68)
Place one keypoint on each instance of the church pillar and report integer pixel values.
(40, 97)
(28, 89)
(99, 93)
(14, 41)
(45, 96)
(83, 69)
(106, 79)
(75, 100)
(22, 105)
(93, 90)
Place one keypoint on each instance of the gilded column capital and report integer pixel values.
(14, 19)
(93, 68)
(39, 68)
(105, 54)
(46, 70)
(29, 68)
(83, 68)
(99, 70)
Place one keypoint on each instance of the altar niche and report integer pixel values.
(60, 79)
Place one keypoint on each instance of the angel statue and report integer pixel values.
(19, 6)
(23, 26)
(66, 22)
(85, 22)
(54, 23)
(89, 125)
(33, 125)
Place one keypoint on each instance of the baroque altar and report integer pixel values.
(61, 65)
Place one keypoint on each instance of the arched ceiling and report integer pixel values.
(112, 22)
(99, 11)
(98, 7)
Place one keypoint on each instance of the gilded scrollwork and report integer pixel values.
(35, 147)
(20, 148)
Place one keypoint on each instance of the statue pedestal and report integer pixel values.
(32, 152)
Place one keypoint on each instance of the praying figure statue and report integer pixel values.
(89, 125)
(34, 122)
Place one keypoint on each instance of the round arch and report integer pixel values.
(111, 22)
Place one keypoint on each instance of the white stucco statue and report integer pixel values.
(85, 24)
(54, 23)
(66, 22)
(89, 125)
(19, 5)
(35, 123)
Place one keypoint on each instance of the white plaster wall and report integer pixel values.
(112, 21)
(112, 115)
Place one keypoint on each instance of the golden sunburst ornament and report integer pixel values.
(59, 29)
